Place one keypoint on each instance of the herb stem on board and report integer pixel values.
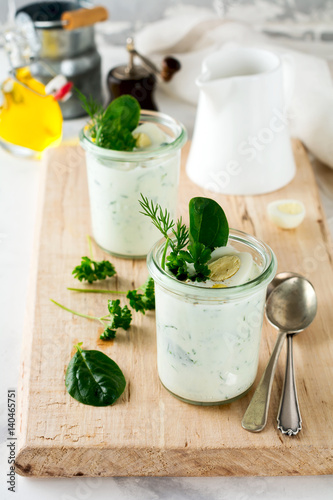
(141, 302)
(88, 316)
(118, 317)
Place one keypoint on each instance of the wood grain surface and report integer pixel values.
(149, 432)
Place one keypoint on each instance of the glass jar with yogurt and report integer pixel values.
(208, 334)
(116, 179)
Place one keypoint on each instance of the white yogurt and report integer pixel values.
(114, 191)
(208, 346)
(208, 353)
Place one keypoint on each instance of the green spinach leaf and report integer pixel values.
(208, 223)
(92, 378)
(125, 110)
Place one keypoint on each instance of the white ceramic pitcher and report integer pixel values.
(241, 142)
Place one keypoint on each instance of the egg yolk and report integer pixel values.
(291, 208)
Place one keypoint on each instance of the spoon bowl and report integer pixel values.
(279, 278)
(292, 305)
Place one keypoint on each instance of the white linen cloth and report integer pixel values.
(192, 36)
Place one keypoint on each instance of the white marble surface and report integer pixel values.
(18, 203)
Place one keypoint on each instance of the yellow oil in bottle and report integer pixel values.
(28, 119)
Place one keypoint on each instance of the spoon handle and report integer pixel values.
(289, 417)
(255, 417)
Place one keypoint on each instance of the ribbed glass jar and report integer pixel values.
(208, 338)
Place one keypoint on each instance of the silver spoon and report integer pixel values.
(291, 307)
(289, 417)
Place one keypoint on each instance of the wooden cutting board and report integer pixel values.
(148, 432)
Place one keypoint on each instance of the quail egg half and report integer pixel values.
(231, 267)
(286, 214)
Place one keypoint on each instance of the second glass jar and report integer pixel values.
(116, 180)
(208, 338)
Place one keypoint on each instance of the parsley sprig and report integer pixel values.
(143, 299)
(118, 317)
(90, 270)
(196, 254)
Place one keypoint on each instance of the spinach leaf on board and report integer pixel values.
(208, 223)
(92, 378)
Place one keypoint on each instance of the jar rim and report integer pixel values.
(167, 281)
(134, 156)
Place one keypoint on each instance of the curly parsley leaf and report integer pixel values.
(89, 270)
(177, 265)
(108, 334)
(200, 255)
(196, 254)
(120, 317)
(143, 298)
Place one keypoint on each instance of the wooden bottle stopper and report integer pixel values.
(75, 19)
